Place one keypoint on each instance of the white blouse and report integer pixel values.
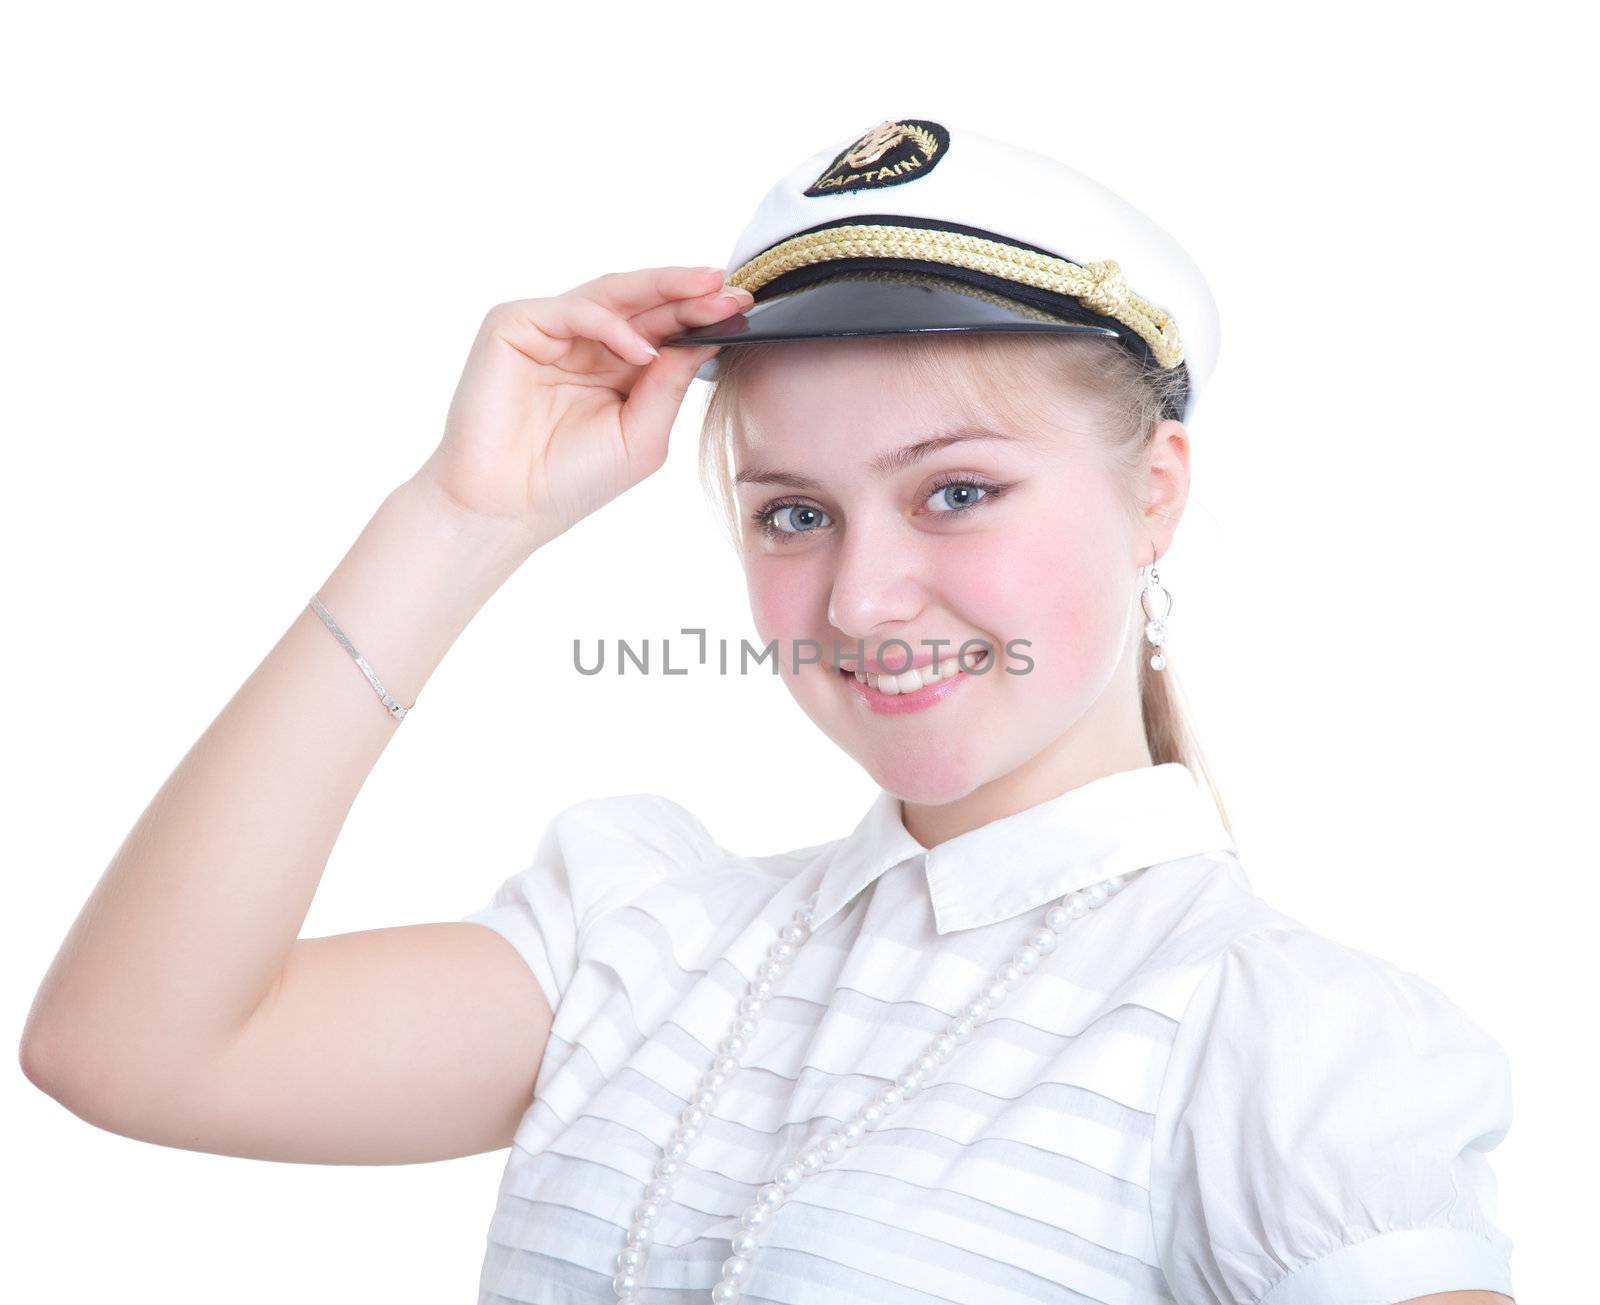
(1193, 1098)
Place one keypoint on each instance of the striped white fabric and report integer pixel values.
(1193, 1098)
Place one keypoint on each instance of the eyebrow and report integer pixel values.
(883, 465)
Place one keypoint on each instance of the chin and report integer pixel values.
(926, 786)
(927, 763)
(929, 775)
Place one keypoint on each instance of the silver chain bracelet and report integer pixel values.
(395, 709)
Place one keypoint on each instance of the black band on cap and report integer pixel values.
(1059, 305)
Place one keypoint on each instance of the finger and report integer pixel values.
(572, 317)
(668, 319)
(629, 293)
(653, 403)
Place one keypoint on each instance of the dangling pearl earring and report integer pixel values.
(1155, 626)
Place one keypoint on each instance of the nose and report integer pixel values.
(879, 582)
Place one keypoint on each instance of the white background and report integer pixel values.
(248, 249)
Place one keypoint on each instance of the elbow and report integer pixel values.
(43, 1049)
(39, 1056)
(46, 1061)
(84, 1084)
(30, 1055)
(61, 1066)
(116, 1084)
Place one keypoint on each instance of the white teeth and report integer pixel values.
(911, 681)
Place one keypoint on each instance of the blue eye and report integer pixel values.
(957, 505)
(804, 513)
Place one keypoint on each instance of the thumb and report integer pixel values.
(653, 403)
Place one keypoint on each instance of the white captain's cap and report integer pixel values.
(920, 226)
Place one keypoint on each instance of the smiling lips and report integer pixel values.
(916, 677)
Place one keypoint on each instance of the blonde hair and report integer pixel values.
(1127, 402)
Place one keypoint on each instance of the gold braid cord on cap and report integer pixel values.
(1100, 287)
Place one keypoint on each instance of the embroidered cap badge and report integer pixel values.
(891, 154)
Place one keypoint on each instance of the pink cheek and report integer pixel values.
(782, 602)
(1008, 583)
(1055, 589)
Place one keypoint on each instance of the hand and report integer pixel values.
(561, 406)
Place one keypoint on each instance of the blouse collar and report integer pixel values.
(1114, 824)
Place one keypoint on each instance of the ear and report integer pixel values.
(1166, 489)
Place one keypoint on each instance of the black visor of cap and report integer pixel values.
(847, 297)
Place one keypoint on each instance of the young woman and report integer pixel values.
(1025, 1033)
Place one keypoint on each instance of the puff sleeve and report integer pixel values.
(593, 857)
(1322, 1133)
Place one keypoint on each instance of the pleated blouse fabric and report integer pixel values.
(1193, 1098)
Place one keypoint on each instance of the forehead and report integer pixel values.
(852, 400)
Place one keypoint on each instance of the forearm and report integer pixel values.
(189, 926)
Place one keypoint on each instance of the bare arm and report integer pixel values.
(190, 926)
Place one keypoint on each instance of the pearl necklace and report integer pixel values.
(809, 1159)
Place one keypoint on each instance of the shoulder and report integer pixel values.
(1190, 913)
(657, 829)
(610, 849)
(1283, 976)
(1214, 941)
(606, 866)
(599, 852)
(1323, 1125)
(1268, 1010)
(635, 822)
